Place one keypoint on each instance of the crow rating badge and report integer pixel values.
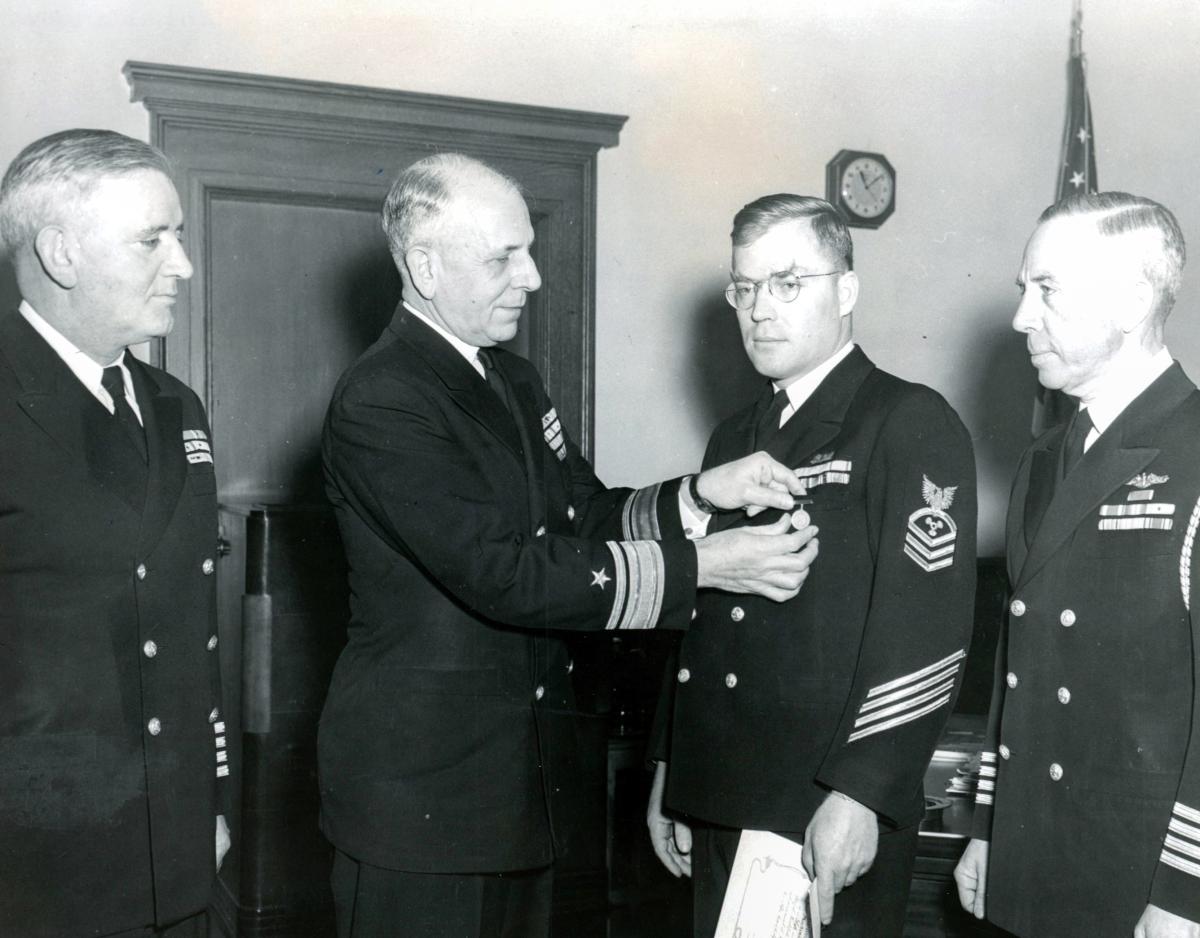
(931, 535)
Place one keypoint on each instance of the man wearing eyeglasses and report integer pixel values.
(817, 717)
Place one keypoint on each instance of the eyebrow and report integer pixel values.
(157, 229)
(794, 269)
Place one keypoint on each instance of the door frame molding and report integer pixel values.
(178, 98)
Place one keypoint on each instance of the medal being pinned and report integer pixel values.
(931, 535)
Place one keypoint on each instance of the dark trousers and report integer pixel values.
(371, 902)
(873, 907)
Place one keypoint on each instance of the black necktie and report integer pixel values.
(767, 424)
(495, 380)
(114, 384)
(1081, 426)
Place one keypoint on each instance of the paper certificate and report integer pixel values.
(769, 895)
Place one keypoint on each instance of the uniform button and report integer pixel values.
(731, 680)
(1067, 617)
(684, 675)
(570, 512)
(150, 649)
(1056, 772)
(1064, 696)
(1011, 680)
(570, 666)
(539, 693)
(141, 571)
(737, 614)
(1017, 608)
(213, 715)
(154, 726)
(212, 642)
(541, 531)
(1005, 752)
(693, 613)
(208, 566)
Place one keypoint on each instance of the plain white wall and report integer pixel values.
(966, 97)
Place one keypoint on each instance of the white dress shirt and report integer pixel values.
(1120, 390)
(465, 349)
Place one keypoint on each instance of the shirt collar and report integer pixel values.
(800, 391)
(1123, 386)
(81, 364)
(465, 349)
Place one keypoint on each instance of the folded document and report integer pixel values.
(769, 895)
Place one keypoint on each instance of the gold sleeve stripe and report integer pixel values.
(639, 584)
(639, 517)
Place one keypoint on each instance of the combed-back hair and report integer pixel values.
(422, 191)
(1119, 213)
(51, 175)
(755, 219)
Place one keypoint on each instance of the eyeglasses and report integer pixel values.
(741, 294)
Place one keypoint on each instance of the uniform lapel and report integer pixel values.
(162, 415)
(819, 419)
(467, 388)
(54, 399)
(1120, 453)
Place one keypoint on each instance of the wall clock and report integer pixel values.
(863, 186)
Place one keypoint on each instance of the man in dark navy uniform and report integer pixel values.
(1088, 807)
(476, 532)
(816, 718)
(112, 745)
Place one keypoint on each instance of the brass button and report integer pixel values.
(1011, 680)
(737, 614)
(570, 512)
(1005, 752)
(694, 613)
(1064, 696)
(213, 714)
(683, 676)
(150, 649)
(1067, 617)
(539, 693)
(212, 642)
(154, 726)
(208, 566)
(541, 531)
(570, 666)
(141, 571)
(1017, 608)
(731, 680)
(1056, 772)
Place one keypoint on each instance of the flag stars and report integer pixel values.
(601, 578)
(1077, 179)
(1083, 135)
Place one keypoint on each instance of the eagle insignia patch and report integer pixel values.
(931, 535)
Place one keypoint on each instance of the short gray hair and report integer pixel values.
(1119, 213)
(422, 191)
(755, 219)
(62, 168)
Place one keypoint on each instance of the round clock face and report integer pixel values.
(867, 188)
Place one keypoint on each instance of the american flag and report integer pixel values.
(1076, 173)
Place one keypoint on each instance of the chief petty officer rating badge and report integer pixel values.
(931, 535)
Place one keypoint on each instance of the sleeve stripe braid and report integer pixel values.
(1182, 846)
(1188, 814)
(981, 798)
(638, 585)
(222, 754)
(1187, 830)
(916, 675)
(639, 517)
(947, 673)
(620, 586)
(897, 721)
(1185, 557)
(905, 705)
(1186, 866)
(985, 787)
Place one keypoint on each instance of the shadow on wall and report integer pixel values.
(720, 378)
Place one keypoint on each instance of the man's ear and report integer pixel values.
(847, 287)
(422, 266)
(1141, 304)
(57, 252)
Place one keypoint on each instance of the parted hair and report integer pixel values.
(755, 219)
(419, 196)
(1119, 213)
(49, 177)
